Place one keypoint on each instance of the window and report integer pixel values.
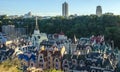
(41, 60)
(35, 38)
(99, 65)
(107, 67)
(49, 62)
(98, 71)
(93, 70)
(23, 49)
(38, 37)
(93, 64)
(48, 57)
(66, 66)
(41, 57)
(56, 66)
(73, 61)
(41, 65)
(21, 63)
(31, 64)
(81, 63)
(48, 67)
(89, 56)
(56, 60)
(65, 62)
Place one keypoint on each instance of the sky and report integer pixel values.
(54, 7)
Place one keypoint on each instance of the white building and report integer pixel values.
(13, 16)
(37, 37)
(28, 15)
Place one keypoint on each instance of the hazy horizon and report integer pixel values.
(54, 7)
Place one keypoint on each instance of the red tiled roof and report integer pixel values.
(61, 33)
(44, 52)
(57, 53)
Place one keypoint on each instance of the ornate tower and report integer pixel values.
(37, 37)
(36, 31)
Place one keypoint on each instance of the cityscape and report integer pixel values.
(63, 42)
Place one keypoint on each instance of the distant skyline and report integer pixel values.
(54, 7)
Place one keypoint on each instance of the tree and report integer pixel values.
(81, 26)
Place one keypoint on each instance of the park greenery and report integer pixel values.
(81, 26)
(52, 70)
(10, 65)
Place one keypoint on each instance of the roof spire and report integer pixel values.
(36, 26)
(75, 39)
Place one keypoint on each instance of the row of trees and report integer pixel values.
(81, 26)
